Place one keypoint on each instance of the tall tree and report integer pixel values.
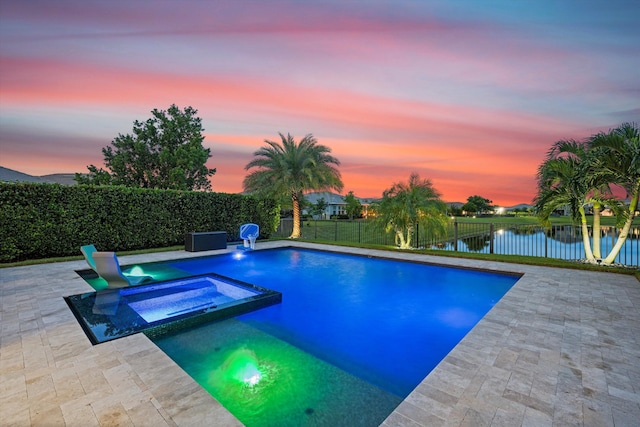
(470, 208)
(481, 204)
(318, 208)
(291, 168)
(405, 205)
(353, 207)
(572, 174)
(163, 152)
(619, 158)
(560, 183)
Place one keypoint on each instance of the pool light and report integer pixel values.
(242, 366)
(250, 374)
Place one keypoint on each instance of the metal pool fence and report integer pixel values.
(559, 241)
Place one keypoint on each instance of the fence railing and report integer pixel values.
(558, 241)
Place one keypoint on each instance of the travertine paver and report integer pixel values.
(50, 374)
(561, 348)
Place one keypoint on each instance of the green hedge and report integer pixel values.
(51, 220)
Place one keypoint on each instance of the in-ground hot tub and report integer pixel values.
(159, 307)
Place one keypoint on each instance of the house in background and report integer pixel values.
(335, 204)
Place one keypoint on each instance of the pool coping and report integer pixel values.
(562, 347)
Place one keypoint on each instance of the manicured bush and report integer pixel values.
(50, 220)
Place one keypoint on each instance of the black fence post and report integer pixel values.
(491, 237)
(546, 243)
(455, 235)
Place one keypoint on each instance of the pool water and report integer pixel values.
(349, 329)
(265, 381)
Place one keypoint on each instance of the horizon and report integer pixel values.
(471, 96)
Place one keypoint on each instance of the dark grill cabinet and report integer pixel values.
(206, 241)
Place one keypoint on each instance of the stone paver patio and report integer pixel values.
(562, 348)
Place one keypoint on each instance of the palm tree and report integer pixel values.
(572, 175)
(560, 184)
(289, 169)
(405, 205)
(619, 157)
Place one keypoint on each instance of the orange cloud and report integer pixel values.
(379, 139)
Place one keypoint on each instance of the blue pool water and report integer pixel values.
(385, 323)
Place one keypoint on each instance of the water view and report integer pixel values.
(562, 242)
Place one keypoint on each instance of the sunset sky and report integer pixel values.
(470, 94)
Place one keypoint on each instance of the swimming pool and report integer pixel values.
(353, 335)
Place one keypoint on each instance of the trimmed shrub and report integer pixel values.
(50, 220)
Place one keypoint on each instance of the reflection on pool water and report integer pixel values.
(351, 332)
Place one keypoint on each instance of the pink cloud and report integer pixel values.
(440, 139)
(470, 101)
(196, 17)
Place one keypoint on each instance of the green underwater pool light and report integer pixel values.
(242, 366)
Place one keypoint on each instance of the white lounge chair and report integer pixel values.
(108, 267)
(89, 250)
(249, 233)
